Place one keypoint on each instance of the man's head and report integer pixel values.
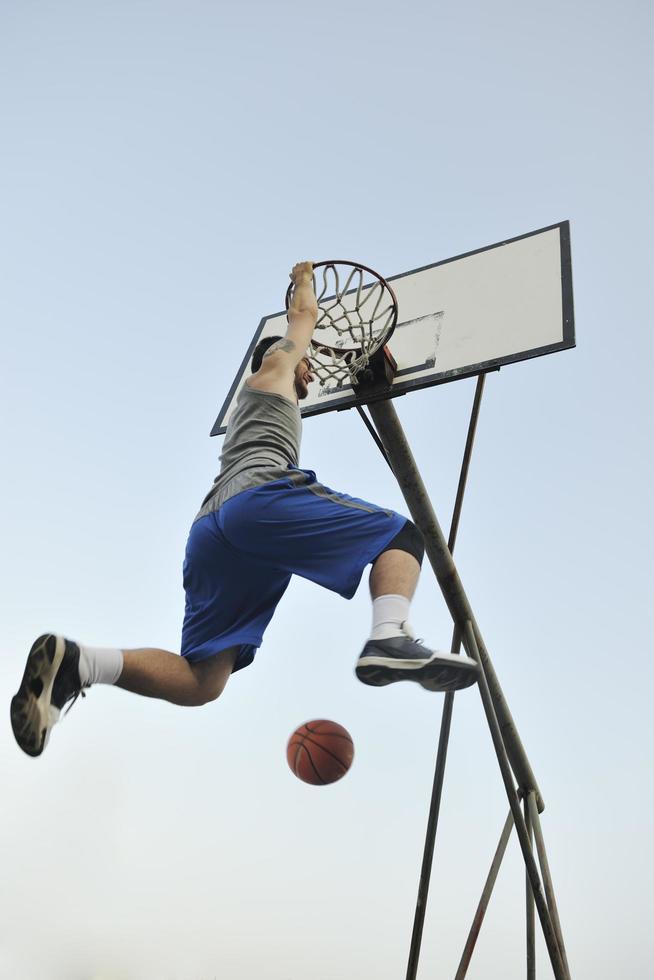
(303, 373)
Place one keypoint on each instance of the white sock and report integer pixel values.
(389, 613)
(99, 666)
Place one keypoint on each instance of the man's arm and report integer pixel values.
(285, 355)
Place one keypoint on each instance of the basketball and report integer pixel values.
(320, 752)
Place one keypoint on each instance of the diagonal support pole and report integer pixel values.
(545, 871)
(475, 929)
(430, 838)
(470, 641)
(408, 477)
(508, 747)
(371, 429)
(448, 707)
(529, 906)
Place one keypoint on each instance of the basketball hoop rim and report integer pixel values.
(316, 345)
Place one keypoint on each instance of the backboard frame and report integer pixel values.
(347, 399)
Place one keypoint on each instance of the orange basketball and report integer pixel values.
(320, 752)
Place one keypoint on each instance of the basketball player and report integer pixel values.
(264, 520)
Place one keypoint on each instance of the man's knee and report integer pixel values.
(409, 538)
(206, 693)
(211, 677)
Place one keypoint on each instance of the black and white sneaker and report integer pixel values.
(50, 681)
(401, 658)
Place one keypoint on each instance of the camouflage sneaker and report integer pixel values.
(50, 681)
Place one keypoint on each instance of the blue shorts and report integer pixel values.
(240, 559)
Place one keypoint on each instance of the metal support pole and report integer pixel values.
(529, 900)
(430, 839)
(508, 747)
(465, 465)
(547, 878)
(558, 965)
(371, 429)
(406, 472)
(446, 719)
(475, 928)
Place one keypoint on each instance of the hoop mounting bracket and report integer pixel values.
(377, 377)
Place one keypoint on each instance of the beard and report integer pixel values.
(301, 390)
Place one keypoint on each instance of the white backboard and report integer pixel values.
(460, 317)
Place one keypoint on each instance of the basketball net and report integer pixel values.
(357, 313)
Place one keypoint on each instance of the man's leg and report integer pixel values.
(391, 652)
(394, 573)
(393, 581)
(159, 674)
(58, 671)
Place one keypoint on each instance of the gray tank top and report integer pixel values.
(261, 443)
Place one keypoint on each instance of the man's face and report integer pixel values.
(303, 378)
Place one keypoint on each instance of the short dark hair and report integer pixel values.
(260, 350)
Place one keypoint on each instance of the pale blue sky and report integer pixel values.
(163, 165)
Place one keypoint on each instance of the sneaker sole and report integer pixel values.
(32, 713)
(435, 674)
